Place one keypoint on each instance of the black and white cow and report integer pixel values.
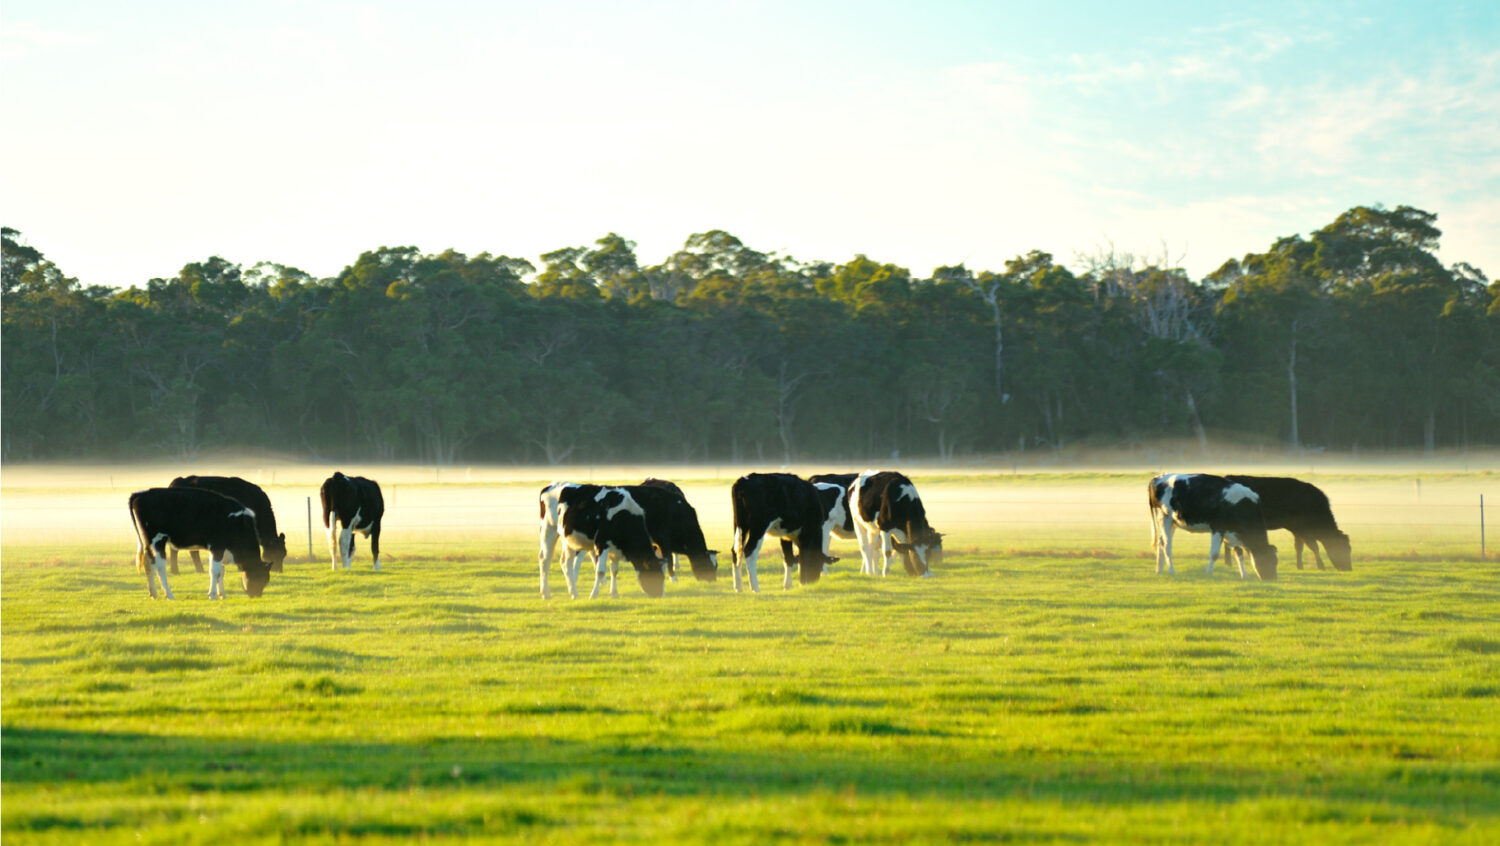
(845, 481)
(192, 518)
(673, 524)
(1198, 502)
(1302, 509)
(789, 507)
(273, 545)
(601, 521)
(888, 516)
(351, 504)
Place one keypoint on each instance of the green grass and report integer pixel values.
(1058, 696)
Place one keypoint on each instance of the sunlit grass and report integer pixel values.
(1046, 685)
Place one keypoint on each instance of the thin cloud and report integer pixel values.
(25, 39)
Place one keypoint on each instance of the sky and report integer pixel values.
(143, 136)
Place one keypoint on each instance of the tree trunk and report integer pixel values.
(1198, 429)
(1291, 379)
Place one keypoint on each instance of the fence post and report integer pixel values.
(309, 528)
(1482, 555)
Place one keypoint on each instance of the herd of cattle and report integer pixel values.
(652, 524)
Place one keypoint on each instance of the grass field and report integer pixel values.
(1046, 686)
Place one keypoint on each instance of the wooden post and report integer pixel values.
(1481, 528)
(309, 529)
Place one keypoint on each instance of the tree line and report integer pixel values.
(1354, 337)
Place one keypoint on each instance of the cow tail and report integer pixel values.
(323, 498)
(737, 510)
(140, 536)
(1154, 507)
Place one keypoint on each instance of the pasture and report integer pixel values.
(1045, 686)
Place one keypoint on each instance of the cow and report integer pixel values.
(1302, 509)
(888, 516)
(789, 507)
(673, 524)
(194, 518)
(1199, 502)
(845, 481)
(351, 504)
(273, 545)
(601, 521)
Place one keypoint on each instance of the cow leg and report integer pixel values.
(570, 562)
(866, 558)
(887, 550)
(346, 546)
(374, 537)
(599, 557)
(333, 529)
(789, 560)
(1168, 529)
(1214, 540)
(142, 565)
(548, 544)
(216, 578)
(1234, 549)
(747, 552)
(1313, 545)
(672, 567)
(172, 557)
(160, 559)
(197, 562)
(614, 575)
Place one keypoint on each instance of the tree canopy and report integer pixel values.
(1353, 337)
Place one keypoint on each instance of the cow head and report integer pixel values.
(255, 575)
(923, 550)
(275, 552)
(1339, 552)
(705, 567)
(811, 563)
(1265, 563)
(653, 577)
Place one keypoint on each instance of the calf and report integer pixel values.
(192, 518)
(789, 507)
(273, 545)
(604, 521)
(673, 524)
(888, 516)
(1199, 502)
(1302, 509)
(353, 503)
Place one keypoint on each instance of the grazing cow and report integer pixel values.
(351, 504)
(1199, 502)
(783, 506)
(1302, 509)
(598, 520)
(193, 518)
(888, 516)
(673, 524)
(273, 545)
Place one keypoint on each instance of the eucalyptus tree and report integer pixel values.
(1175, 320)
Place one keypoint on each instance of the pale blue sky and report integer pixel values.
(141, 136)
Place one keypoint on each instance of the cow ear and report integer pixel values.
(281, 537)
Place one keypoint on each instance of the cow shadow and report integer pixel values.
(37, 757)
